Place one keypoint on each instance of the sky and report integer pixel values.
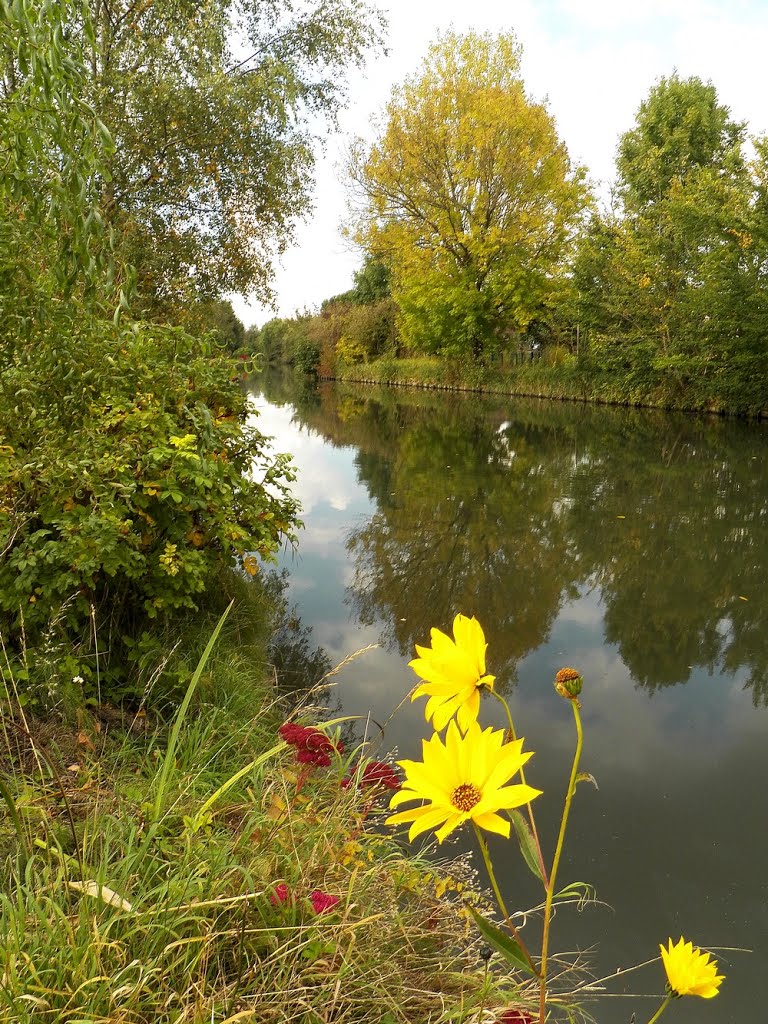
(592, 61)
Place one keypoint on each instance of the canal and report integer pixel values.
(630, 544)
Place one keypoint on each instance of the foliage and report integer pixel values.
(468, 196)
(259, 887)
(671, 284)
(681, 128)
(371, 283)
(325, 331)
(220, 318)
(120, 499)
(214, 110)
(54, 151)
(128, 469)
(279, 340)
(349, 352)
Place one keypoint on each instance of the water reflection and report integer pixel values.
(630, 544)
(513, 507)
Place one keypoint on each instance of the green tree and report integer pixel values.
(468, 195)
(54, 152)
(665, 279)
(681, 128)
(215, 110)
(130, 471)
(220, 317)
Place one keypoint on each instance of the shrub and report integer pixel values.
(130, 471)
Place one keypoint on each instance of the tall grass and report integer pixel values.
(142, 878)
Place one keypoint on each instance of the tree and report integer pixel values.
(672, 281)
(468, 195)
(130, 470)
(54, 150)
(681, 128)
(214, 110)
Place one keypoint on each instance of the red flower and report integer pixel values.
(280, 895)
(515, 1017)
(292, 733)
(375, 773)
(312, 745)
(322, 901)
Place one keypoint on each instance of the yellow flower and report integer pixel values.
(453, 672)
(463, 780)
(689, 971)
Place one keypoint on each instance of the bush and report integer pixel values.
(130, 472)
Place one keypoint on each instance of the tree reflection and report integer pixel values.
(504, 508)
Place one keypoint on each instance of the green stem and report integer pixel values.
(661, 1009)
(531, 818)
(500, 900)
(556, 861)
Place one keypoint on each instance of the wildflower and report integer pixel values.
(312, 745)
(690, 972)
(280, 895)
(322, 901)
(292, 733)
(375, 773)
(568, 683)
(465, 779)
(515, 1017)
(454, 673)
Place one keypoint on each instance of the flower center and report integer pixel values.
(465, 797)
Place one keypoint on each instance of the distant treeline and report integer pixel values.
(477, 259)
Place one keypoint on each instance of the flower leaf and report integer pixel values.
(502, 943)
(527, 844)
(576, 892)
(586, 777)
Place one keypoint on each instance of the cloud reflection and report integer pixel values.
(326, 476)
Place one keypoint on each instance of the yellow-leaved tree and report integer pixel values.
(469, 196)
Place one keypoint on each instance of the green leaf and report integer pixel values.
(527, 843)
(586, 777)
(502, 943)
(181, 714)
(575, 891)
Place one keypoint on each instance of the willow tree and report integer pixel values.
(215, 109)
(469, 195)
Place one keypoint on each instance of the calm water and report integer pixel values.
(629, 544)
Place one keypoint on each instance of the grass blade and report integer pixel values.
(170, 752)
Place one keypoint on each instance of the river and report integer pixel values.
(630, 544)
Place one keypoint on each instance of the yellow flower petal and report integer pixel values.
(453, 672)
(452, 823)
(493, 823)
(690, 972)
(464, 778)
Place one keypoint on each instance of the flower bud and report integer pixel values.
(568, 683)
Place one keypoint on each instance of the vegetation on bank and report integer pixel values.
(657, 298)
(559, 376)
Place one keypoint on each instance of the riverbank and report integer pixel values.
(713, 390)
(197, 867)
